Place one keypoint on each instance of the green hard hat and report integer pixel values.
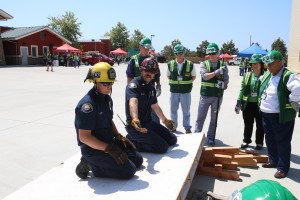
(255, 58)
(146, 42)
(272, 56)
(212, 48)
(178, 49)
(264, 190)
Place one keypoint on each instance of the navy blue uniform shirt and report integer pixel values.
(146, 95)
(95, 112)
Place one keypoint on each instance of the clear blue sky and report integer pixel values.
(190, 21)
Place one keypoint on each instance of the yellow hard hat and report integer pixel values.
(101, 72)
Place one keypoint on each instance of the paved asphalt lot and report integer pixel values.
(37, 131)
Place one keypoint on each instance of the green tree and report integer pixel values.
(66, 26)
(280, 46)
(229, 48)
(119, 36)
(135, 39)
(201, 50)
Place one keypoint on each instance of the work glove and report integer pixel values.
(238, 106)
(169, 124)
(220, 71)
(137, 125)
(295, 105)
(124, 142)
(158, 90)
(220, 84)
(117, 153)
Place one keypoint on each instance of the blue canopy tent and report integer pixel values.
(247, 53)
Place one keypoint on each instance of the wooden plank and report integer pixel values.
(253, 152)
(218, 158)
(227, 174)
(218, 167)
(261, 158)
(229, 166)
(246, 163)
(226, 150)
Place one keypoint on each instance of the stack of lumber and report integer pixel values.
(223, 162)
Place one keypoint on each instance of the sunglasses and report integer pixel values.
(107, 83)
(178, 53)
(212, 54)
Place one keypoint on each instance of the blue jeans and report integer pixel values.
(278, 140)
(156, 140)
(104, 165)
(184, 99)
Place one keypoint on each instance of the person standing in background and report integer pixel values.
(181, 74)
(214, 81)
(279, 96)
(248, 102)
(133, 69)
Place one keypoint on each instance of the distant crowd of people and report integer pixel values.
(61, 59)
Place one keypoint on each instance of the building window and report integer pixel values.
(45, 49)
(34, 51)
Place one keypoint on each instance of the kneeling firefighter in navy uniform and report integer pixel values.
(147, 135)
(104, 150)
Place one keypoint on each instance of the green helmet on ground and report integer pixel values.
(263, 190)
(178, 49)
(256, 58)
(212, 48)
(146, 42)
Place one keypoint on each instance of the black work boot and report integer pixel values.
(82, 169)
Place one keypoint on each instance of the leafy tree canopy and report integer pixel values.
(229, 48)
(201, 50)
(66, 26)
(279, 45)
(119, 36)
(135, 39)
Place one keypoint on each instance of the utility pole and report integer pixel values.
(152, 36)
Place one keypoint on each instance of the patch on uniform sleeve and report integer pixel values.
(132, 85)
(87, 108)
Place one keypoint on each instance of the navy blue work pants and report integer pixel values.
(156, 140)
(104, 165)
(278, 140)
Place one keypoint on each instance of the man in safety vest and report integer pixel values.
(133, 69)
(215, 79)
(181, 74)
(279, 97)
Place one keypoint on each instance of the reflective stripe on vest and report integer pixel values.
(207, 84)
(136, 61)
(188, 68)
(246, 81)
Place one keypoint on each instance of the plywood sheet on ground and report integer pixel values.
(160, 177)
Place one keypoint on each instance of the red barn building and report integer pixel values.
(26, 45)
